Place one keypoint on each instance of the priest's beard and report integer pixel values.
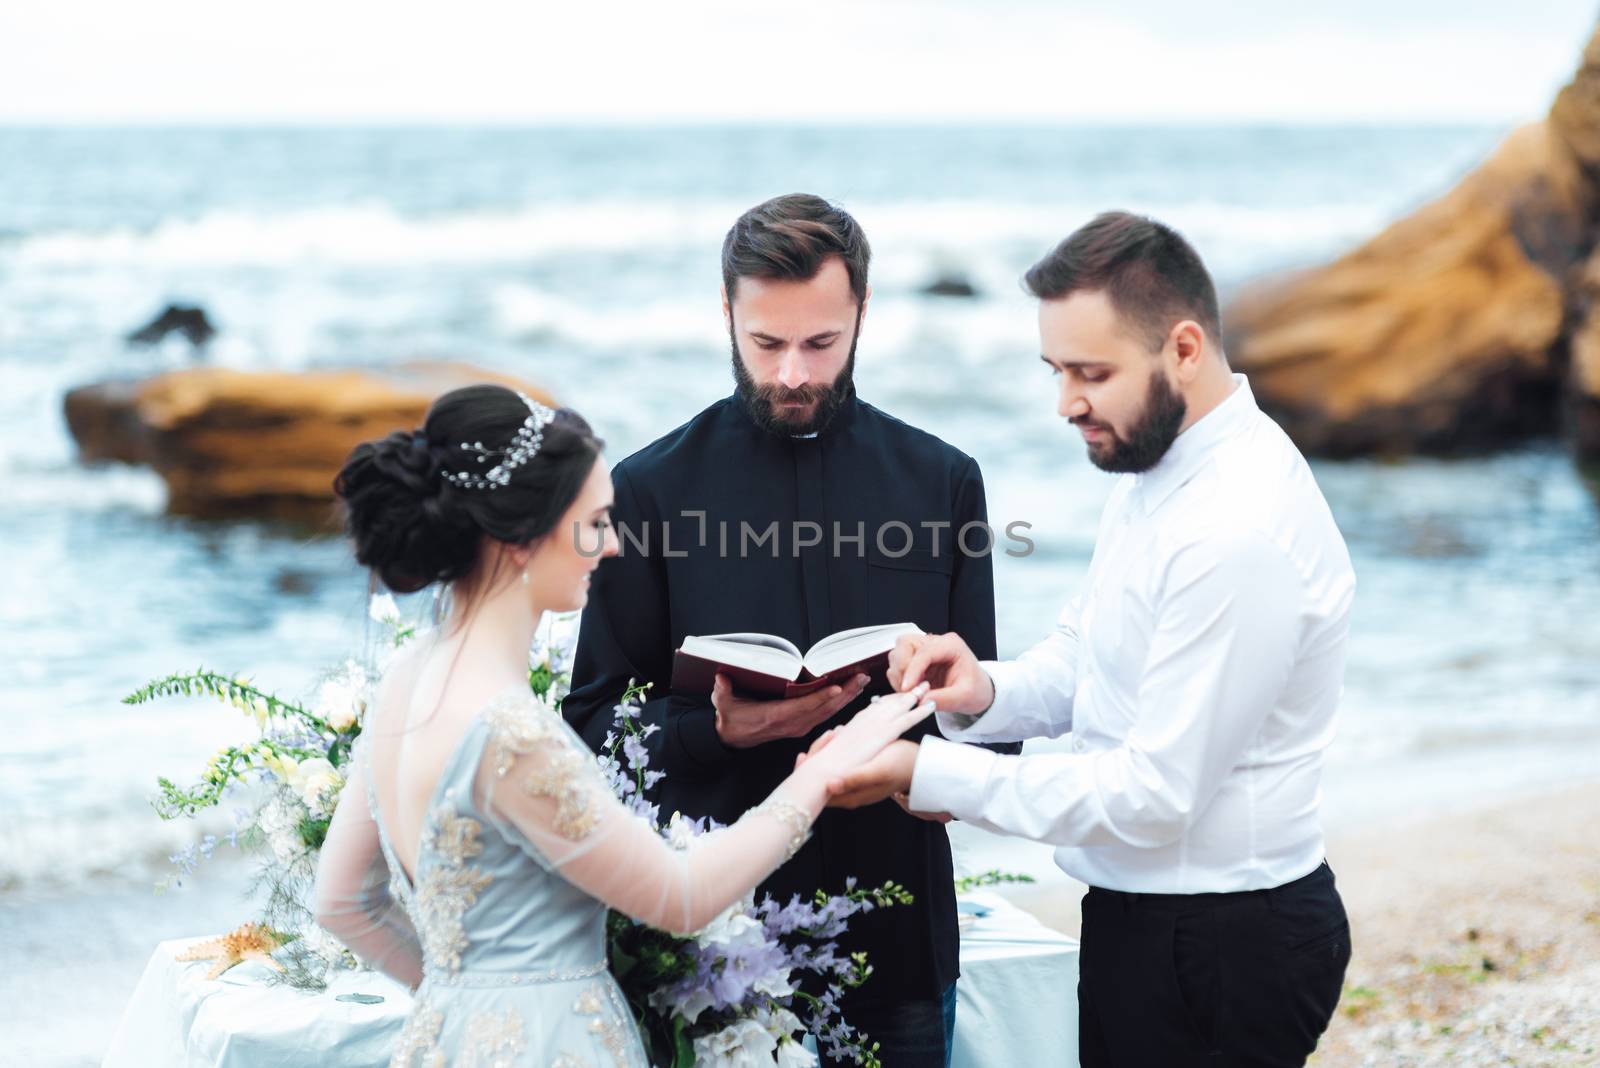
(762, 402)
(1150, 436)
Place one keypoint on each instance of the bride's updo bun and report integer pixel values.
(414, 527)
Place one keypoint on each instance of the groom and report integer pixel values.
(1197, 672)
(793, 508)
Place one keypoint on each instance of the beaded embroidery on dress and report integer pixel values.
(509, 948)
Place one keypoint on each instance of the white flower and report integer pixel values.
(793, 1054)
(680, 832)
(742, 1044)
(780, 1021)
(690, 1008)
(279, 820)
(342, 698)
(285, 846)
(785, 1026)
(774, 984)
(343, 717)
(313, 778)
(732, 925)
(262, 711)
(382, 609)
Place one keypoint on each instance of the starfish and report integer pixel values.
(251, 941)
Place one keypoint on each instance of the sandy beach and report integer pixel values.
(1477, 941)
(1477, 936)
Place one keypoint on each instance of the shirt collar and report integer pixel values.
(1192, 448)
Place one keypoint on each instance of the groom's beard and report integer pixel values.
(764, 403)
(1149, 438)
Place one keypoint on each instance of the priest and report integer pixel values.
(795, 508)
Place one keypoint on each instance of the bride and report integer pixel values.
(478, 848)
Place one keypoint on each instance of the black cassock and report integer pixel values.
(802, 538)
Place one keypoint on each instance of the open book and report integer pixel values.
(764, 665)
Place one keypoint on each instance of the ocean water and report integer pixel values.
(586, 260)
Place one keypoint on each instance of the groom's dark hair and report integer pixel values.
(787, 238)
(1152, 276)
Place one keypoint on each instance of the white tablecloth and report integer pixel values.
(1017, 1001)
(1017, 1004)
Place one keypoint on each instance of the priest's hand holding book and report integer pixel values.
(743, 722)
(764, 688)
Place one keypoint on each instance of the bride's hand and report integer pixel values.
(845, 748)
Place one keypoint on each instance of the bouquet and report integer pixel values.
(725, 997)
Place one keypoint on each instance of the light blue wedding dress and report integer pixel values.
(501, 927)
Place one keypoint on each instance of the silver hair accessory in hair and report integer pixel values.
(522, 448)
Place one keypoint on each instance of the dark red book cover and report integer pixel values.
(696, 675)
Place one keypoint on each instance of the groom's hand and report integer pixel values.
(884, 776)
(943, 660)
(742, 724)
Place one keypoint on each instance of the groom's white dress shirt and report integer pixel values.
(1197, 672)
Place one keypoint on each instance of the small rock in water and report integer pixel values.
(184, 319)
(950, 284)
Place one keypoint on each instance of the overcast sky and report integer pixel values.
(824, 60)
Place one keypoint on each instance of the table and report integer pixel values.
(1017, 1004)
(1017, 1001)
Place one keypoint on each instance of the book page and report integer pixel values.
(849, 646)
(765, 653)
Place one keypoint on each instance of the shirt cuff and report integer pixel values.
(958, 726)
(1003, 674)
(954, 725)
(949, 777)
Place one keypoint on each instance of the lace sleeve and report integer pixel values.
(539, 778)
(352, 899)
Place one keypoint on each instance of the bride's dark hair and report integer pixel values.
(413, 527)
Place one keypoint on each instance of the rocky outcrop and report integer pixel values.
(232, 443)
(1471, 324)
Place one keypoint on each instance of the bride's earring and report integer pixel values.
(525, 579)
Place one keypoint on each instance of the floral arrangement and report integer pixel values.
(285, 784)
(727, 997)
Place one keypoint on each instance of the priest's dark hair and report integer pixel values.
(1152, 276)
(787, 238)
(413, 527)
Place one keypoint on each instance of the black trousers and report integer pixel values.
(909, 1034)
(1248, 979)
